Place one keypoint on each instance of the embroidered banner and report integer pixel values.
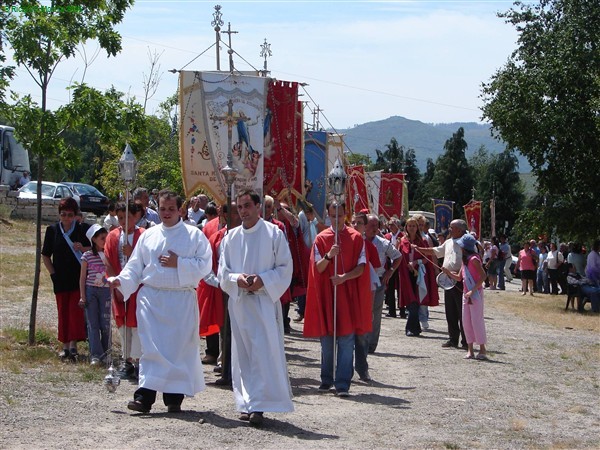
(373, 184)
(443, 210)
(391, 194)
(221, 114)
(321, 149)
(283, 174)
(357, 189)
(473, 217)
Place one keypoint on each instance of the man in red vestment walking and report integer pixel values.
(353, 312)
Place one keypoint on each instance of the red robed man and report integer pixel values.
(353, 312)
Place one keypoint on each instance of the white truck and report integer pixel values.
(15, 159)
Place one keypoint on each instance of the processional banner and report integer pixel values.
(221, 114)
(473, 217)
(443, 210)
(357, 189)
(321, 149)
(283, 161)
(391, 195)
(373, 184)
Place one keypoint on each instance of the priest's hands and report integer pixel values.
(169, 260)
(334, 251)
(250, 282)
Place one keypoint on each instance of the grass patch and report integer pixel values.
(546, 309)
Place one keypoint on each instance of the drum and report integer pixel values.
(445, 282)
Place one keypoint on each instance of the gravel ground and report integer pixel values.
(539, 390)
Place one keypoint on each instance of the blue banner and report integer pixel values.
(443, 214)
(315, 160)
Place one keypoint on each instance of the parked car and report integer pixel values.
(92, 200)
(50, 191)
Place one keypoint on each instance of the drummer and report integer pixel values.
(452, 254)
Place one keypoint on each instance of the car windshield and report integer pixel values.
(86, 189)
(31, 188)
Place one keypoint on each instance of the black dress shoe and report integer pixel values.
(223, 382)
(244, 416)
(136, 405)
(256, 419)
(174, 408)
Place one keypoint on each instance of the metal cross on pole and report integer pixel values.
(337, 186)
(217, 23)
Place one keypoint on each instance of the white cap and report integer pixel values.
(92, 231)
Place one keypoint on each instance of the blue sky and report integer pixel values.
(362, 60)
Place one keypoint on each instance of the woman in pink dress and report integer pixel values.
(473, 276)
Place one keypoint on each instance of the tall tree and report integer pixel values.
(496, 176)
(41, 38)
(453, 175)
(545, 102)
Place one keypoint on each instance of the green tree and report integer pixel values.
(357, 159)
(545, 102)
(452, 177)
(40, 39)
(496, 176)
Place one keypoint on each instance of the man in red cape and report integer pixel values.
(353, 312)
(210, 297)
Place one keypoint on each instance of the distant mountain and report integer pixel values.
(426, 138)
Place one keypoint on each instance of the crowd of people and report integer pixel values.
(173, 272)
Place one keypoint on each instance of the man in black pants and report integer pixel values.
(452, 254)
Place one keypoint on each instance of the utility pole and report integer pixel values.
(265, 52)
(230, 51)
(316, 124)
(217, 23)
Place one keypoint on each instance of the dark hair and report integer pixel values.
(134, 207)
(111, 206)
(252, 193)
(342, 204)
(68, 204)
(167, 194)
(100, 231)
(211, 210)
(596, 245)
(466, 253)
(361, 216)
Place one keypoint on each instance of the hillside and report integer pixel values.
(427, 139)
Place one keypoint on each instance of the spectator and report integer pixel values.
(555, 260)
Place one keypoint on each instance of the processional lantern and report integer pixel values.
(336, 180)
(127, 165)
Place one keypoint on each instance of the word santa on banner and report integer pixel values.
(387, 193)
(357, 199)
(473, 217)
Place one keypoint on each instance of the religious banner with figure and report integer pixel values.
(373, 184)
(391, 194)
(443, 210)
(321, 150)
(283, 174)
(357, 189)
(473, 217)
(220, 115)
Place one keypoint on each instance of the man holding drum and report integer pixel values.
(452, 254)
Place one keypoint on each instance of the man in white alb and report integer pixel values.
(168, 261)
(255, 269)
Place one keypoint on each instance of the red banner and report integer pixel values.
(357, 189)
(283, 163)
(391, 194)
(473, 217)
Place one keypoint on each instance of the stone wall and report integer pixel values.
(24, 208)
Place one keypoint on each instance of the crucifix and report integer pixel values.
(230, 119)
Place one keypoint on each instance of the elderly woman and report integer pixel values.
(64, 245)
